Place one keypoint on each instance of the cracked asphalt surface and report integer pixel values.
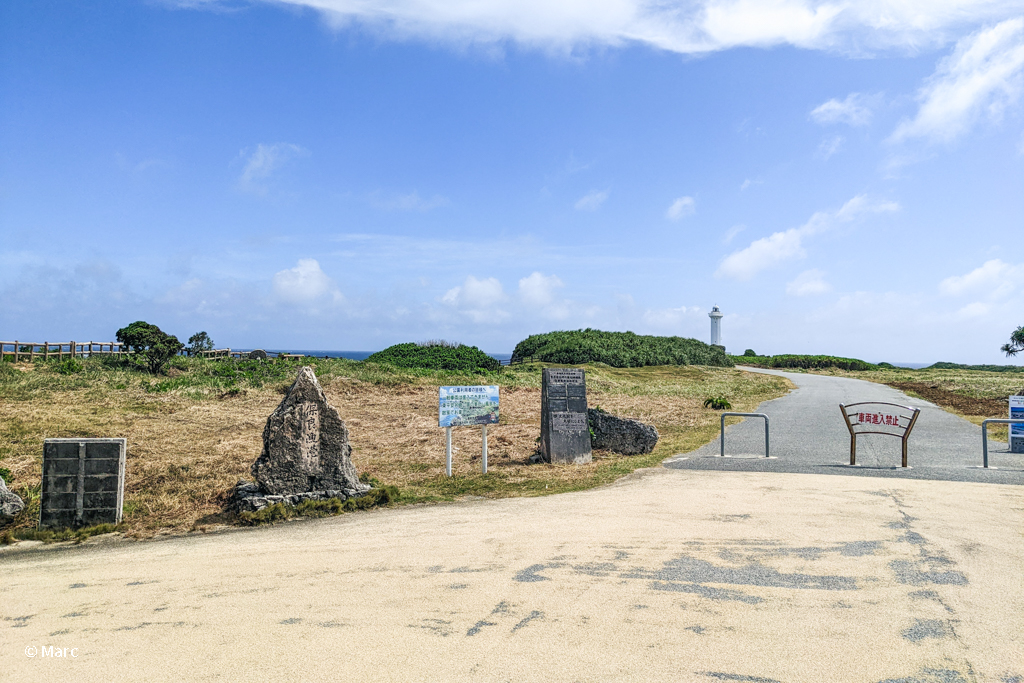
(807, 434)
(667, 575)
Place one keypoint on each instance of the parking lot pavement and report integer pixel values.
(667, 575)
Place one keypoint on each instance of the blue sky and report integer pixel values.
(841, 178)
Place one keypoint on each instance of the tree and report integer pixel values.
(1016, 344)
(199, 342)
(150, 345)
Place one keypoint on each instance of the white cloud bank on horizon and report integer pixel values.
(788, 244)
(689, 27)
(983, 75)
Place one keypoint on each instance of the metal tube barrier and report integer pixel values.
(725, 415)
(984, 434)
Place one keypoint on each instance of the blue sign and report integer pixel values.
(458, 406)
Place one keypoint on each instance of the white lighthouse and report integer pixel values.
(716, 327)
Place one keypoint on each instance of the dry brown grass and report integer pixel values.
(186, 449)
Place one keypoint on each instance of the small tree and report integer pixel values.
(1016, 344)
(199, 342)
(749, 352)
(150, 345)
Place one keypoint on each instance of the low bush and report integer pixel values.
(70, 366)
(718, 403)
(617, 349)
(806, 362)
(376, 497)
(436, 357)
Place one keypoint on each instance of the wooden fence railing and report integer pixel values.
(20, 350)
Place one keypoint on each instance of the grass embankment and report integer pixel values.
(193, 433)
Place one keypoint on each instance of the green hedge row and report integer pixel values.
(791, 360)
(410, 355)
(618, 349)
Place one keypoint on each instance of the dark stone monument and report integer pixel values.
(564, 433)
(629, 437)
(305, 445)
(10, 503)
(258, 354)
(83, 482)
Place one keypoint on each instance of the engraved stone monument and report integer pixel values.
(305, 445)
(564, 433)
(83, 482)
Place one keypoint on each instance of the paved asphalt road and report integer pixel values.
(667, 575)
(807, 434)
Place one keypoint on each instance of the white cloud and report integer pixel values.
(686, 26)
(305, 283)
(830, 146)
(748, 182)
(538, 289)
(478, 299)
(683, 206)
(984, 74)
(855, 110)
(994, 279)
(591, 201)
(808, 283)
(788, 245)
(411, 202)
(732, 232)
(261, 163)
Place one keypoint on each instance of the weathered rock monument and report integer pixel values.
(306, 454)
(10, 503)
(564, 433)
(629, 437)
(83, 482)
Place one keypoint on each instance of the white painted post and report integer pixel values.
(448, 451)
(485, 449)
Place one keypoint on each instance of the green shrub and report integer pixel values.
(6, 475)
(151, 347)
(749, 352)
(436, 357)
(718, 403)
(617, 349)
(818, 362)
(70, 366)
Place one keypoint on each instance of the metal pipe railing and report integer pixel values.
(984, 434)
(725, 415)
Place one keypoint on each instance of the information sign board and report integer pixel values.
(1017, 431)
(459, 406)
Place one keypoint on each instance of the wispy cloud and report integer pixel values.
(855, 110)
(983, 76)
(410, 202)
(261, 163)
(808, 283)
(748, 183)
(681, 207)
(592, 200)
(830, 146)
(788, 244)
(686, 26)
(994, 279)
